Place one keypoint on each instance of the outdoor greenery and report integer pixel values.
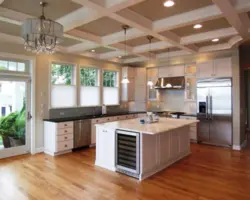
(1, 141)
(61, 74)
(89, 77)
(109, 79)
(13, 125)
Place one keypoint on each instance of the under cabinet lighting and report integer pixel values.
(215, 40)
(169, 3)
(197, 26)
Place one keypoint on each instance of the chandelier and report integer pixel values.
(41, 34)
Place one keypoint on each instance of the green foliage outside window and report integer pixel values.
(89, 77)
(62, 74)
(109, 79)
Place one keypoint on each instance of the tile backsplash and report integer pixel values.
(83, 111)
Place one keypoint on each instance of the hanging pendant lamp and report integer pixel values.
(150, 82)
(125, 27)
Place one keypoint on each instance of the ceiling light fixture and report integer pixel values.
(150, 82)
(125, 27)
(93, 50)
(215, 40)
(169, 3)
(119, 56)
(197, 26)
(41, 34)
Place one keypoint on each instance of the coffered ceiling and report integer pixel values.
(94, 27)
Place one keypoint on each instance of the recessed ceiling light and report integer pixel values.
(215, 40)
(119, 56)
(197, 26)
(169, 3)
(92, 50)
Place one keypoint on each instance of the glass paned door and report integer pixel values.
(14, 123)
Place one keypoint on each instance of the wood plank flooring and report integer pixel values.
(210, 173)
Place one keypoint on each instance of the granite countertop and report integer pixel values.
(65, 119)
(164, 125)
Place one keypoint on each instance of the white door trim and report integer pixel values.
(32, 60)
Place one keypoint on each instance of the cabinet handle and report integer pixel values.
(65, 131)
(65, 124)
(65, 138)
(65, 145)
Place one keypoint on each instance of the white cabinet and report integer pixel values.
(192, 128)
(104, 120)
(152, 75)
(172, 71)
(221, 67)
(140, 89)
(205, 69)
(128, 89)
(58, 137)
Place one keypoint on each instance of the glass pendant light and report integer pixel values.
(150, 82)
(125, 27)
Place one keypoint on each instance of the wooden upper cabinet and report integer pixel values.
(221, 67)
(172, 71)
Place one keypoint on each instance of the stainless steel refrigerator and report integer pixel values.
(214, 110)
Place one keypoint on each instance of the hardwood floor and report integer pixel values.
(210, 173)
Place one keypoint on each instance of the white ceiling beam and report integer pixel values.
(77, 48)
(200, 37)
(112, 54)
(154, 46)
(216, 47)
(232, 16)
(10, 38)
(85, 35)
(245, 19)
(78, 18)
(234, 41)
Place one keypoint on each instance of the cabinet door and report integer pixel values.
(177, 70)
(223, 67)
(131, 89)
(82, 133)
(205, 69)
(184, 140)
(140, 93)
(93, 134)
(165, 72)
(175, 145)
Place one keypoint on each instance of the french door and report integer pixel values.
(15, 96)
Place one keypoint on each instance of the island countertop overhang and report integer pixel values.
(164, 125)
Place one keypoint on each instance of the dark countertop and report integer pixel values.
(65, 119)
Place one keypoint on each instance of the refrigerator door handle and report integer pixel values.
(206, 107)
(211, 107)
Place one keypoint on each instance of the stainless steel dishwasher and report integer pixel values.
(82, 133)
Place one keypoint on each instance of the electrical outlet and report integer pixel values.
(61, 113)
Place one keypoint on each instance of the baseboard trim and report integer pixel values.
(240, 147)
(39, 150)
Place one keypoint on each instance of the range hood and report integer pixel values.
(171, 83)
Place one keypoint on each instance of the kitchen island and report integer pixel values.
(141, 150)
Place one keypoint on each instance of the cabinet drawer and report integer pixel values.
(109, 119)
(97, 120)
(64, 131)
(64, 125)
(63, 138)
(63, 146)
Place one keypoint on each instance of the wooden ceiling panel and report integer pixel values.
(67, 42)
(154, 9)
(210, 25)
(101, 27)
(100, 50)
(55, 9)
(159, 51)
(10, 29)
(139, 41)
(209, 43)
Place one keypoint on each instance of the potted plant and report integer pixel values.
(6, 128)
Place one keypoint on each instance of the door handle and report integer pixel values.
(206, 107)
(211, 107)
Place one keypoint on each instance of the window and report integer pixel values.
(63, 87)
(110, 88)
(12, 66)
(90, 90)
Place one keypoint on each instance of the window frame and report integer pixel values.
(117, 85)
(99, 85)
(75, 67)
(27, 65)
